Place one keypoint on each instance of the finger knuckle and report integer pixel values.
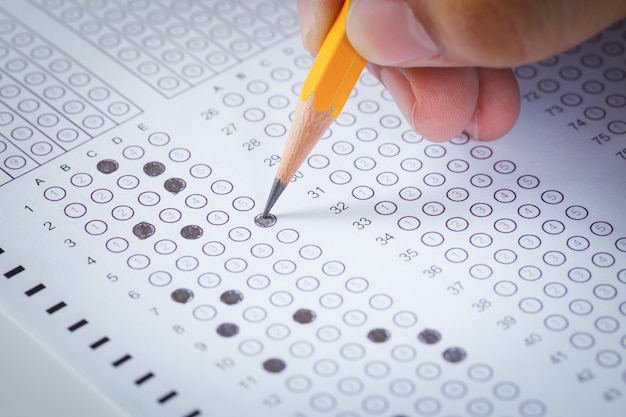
(485, 31)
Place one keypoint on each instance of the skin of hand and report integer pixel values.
(447, 63)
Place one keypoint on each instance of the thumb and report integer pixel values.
(485, 33)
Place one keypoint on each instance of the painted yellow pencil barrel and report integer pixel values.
(335, 70)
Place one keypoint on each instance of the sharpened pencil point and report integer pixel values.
(277, 189)
(326, 88)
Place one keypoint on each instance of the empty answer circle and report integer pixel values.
(454, 389)
(530, 305)
(75, 210)
(122, 212)
(427, 406)
(158, 139)
(179, 154)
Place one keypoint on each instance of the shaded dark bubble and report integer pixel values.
(231, 297)
(191, 231)
(107, 166)
(154, 168)
(227, 329)
(429, 336)
(182, 295)
(175, 185)
(379, 335)
(454, 354)
(265, 221)
(304, 316)
(274, 365)
(143, 230)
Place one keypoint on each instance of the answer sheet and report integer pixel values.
(138, 141)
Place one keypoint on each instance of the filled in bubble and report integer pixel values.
(378, 335)
(304, 316)
(182, 295)
(143, 230)
(175, 185)
(268, 220)
(274, 365)
(231, 297)
(454, 354)
(107, 166)
(191, 232)
(429, 336)
(227, 329)
(154, 168)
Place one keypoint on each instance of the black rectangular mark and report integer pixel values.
(77, 325)
(194, 413)
(144, 378)
(98, 343)
(56, 307)
(121, 360)
(14, 272)
(167, 397)
(34, 290)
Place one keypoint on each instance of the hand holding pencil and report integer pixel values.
(445, 62)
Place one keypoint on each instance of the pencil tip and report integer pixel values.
(277, 189)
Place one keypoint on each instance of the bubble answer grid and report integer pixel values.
(494, 286)
(175, 45)
(49, 103)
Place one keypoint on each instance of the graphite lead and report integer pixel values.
(277, 189)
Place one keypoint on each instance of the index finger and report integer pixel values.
(316, 17)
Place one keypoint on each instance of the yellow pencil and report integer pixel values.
(327, 87)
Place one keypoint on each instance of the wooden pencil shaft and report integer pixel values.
(335, 70)
(333, 74)
(307, 128)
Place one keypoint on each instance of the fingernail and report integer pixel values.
(387, 32)
(399, 87)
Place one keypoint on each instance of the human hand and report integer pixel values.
(447, 63)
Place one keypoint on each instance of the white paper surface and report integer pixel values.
(139, 139)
